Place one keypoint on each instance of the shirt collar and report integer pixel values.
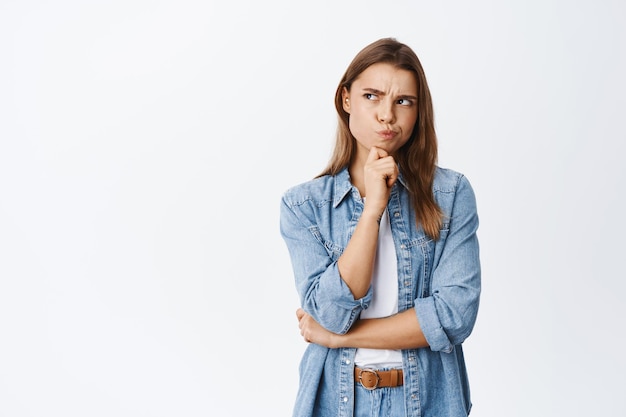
(343, 186)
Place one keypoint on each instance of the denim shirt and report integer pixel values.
(440, 279)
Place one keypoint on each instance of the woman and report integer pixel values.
(385, 255)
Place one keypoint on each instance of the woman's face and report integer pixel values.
(382, 104)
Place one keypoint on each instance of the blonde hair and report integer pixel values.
(418, 157)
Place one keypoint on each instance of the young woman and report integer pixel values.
(385, 255)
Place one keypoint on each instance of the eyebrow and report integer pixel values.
(381, 93)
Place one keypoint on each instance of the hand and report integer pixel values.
(311, 330)
(380, 173)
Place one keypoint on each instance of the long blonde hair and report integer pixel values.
(418, 157)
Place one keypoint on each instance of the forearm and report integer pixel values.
(357, 261)
(400, 331)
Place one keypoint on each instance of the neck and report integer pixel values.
(357, 176)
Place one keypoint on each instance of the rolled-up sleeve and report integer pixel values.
(447, 316)
(323, 294)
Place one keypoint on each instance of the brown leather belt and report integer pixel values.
(372, 379)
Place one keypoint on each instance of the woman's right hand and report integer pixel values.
(380, 173)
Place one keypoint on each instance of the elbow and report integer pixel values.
(459, 329)
(445, 327)
(331, 303)
(332, 317)
(459, 334)
(339, 323)
(446, 337)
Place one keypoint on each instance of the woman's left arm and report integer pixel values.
(447, 316)
(400, 331)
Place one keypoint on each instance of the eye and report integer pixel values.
(405, 102)
(370, 96)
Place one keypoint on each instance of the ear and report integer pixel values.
(345, 100)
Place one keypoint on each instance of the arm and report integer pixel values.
(357, 261)
(400, 331)
(448, 314)
(441, 320)
(322, 292)
(334, 285)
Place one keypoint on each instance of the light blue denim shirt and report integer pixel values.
(441, 279)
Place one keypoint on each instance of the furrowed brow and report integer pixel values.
(407, 97)
(382, 93)
(374, 91)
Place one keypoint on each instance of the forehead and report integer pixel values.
(386, 77)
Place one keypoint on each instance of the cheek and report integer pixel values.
(409, 123)
(353, 125)
(356, 119)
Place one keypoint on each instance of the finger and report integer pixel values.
(299, 313)
(376, 153)
(386, 168)
(393, 176)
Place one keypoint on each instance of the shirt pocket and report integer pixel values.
(333, 249)
(424, 250)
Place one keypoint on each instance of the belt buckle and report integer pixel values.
(372, 371)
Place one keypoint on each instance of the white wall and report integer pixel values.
(144, 147)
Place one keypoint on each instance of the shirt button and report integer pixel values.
(344, 399)
(347, 361)
(396, 214)
(403, 246)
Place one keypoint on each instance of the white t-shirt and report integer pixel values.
(385, 298)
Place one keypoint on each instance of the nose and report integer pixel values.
(385, 112)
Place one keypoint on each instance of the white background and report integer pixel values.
(144, 147)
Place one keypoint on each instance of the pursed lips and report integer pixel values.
(387, 134)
